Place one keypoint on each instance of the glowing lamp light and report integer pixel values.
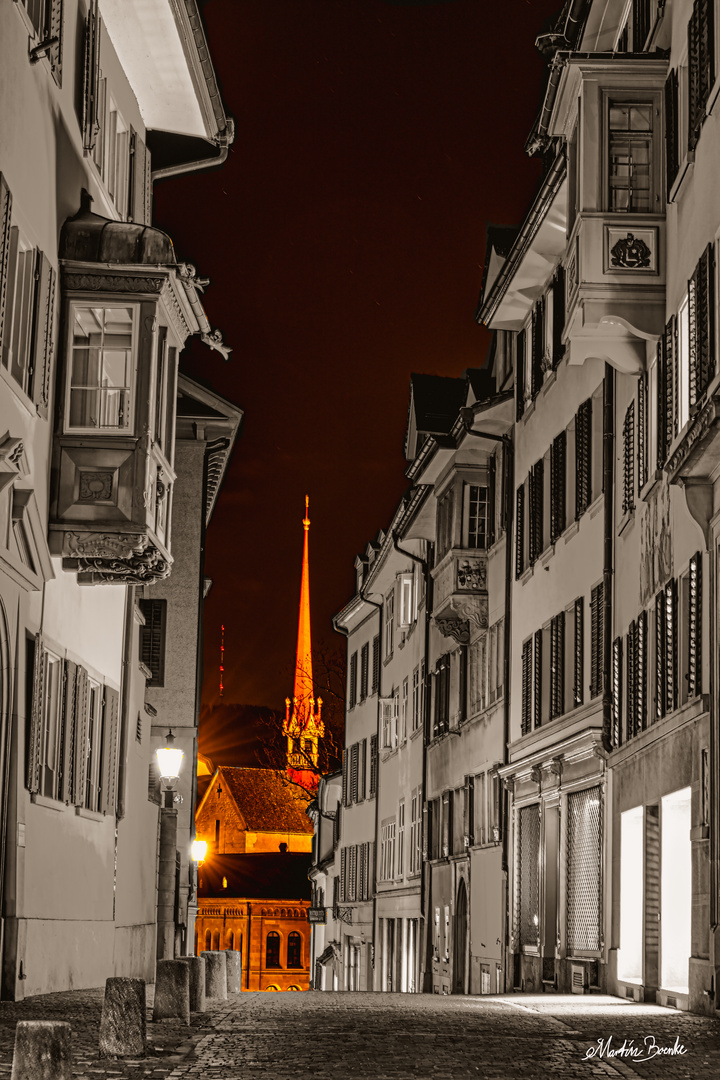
(169, 758)
(199, 850)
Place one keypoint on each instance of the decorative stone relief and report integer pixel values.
(471, 574)
(631, 250)
(456, 628)
(114, 558)
(95, 486)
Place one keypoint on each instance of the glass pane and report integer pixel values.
(83, 408)
(115, 367)
(641, 118)
(102, 360)
(85, 365)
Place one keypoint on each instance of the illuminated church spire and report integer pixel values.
(303, 726)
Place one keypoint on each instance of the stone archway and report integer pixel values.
(460, 943)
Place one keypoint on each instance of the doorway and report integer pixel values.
(460, 943)
(675, 892)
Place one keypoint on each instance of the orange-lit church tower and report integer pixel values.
(303, 725)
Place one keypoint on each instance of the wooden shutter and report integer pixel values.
(701, 66)
(362, 871)
(616, 734)
(642, 447)
(363, 769)
(659, 656)
(694, 628)
(557, 666)
(701, 325)
(537, 681)
(364, 664)
(152, 639)
(557, 487)
(376, 664)
(583, 457)
(490, 532)
(558, 303)
(82, 707)
(469, 811)
(519, 530)
(596, 640)
(352, 688)
(579, 656)
(520, 375)
(536, 523)
(426, 829)
(642, 652)
(42, 334)
(91, 78)
(628, 501)
(672, 151)
(354, 772)
(631, 681)
(5, 221)
(55, 30)
(137, 195)
(373, 765)
(343, 874)
(538, 347)
(68, 753)
(35, 732)
(526, 707)
(641, 24)
(671, 694)
(345, 779)
(108, 780)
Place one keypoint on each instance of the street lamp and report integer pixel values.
(169, 758)
(199, 850)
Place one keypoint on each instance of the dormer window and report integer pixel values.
(100, 390)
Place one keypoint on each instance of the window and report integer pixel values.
(536, 492)
(616, 702)
(636, 676)
(415, 832)
(447, 804)
(558, 316)
(578, 652)
(152, 639)
(538, 680)
(373, 765)
(46, 17)
(389, 622)
(642, 432)
(375, 665)
(421, 722)
(520, 375)
(557, 665)
(272, 950)
(520, 531)
(53, 759)
(480, 809)
(401, 839)
(477, 509)
(667, 391)
(445, 514)
(538, 347)
(583, 463)
(700, 354)
(666, 640)
(468, 822)
(406, 582)
(387, 850)
(352, 682)
(415, 707)
(528, 882)
(441, 722)
(404, 710)
(100, 387)
(584, 870)
(94, 747)
(364, 665)
(354, 772)
(526, 705)
(694, 627)
(557, 487)
(116, 172)
(486, 664)
(596, 640)
(630, 157)
(628, 498)
(701, 62)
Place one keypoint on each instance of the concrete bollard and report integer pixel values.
(215, 975)
(123, 1022)
(172, 991)
(234, 971)
(196, 966)
(42, 1051)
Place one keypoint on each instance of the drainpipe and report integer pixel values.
(128, 630)
(223, 140)
(509, 471)
(608, 515)
(379, 607)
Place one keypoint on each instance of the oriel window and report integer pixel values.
(102, 375)
(477, 516)
(630, 157)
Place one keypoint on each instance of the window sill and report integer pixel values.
(626, 521)
(572, 530)
(594, 508)
(550, 378)
(17, 390)
(650, 485)
(91, 815)
(546, 556)
(389, 753)
(414, 734)
(528, 410)
(145, 670)
(683, 178)
(387, 659)
(49, 804)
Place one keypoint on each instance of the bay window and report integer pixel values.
(630, 157)
(101, 387)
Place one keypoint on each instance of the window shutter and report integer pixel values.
(137, 197)
(345, 782)
(426, 827)
(354, 772)
(641, 676)
(558, 302)
(68, 752)
(520, 375)
(659, 656)
(526, 708)
(596, 640)
(364, 664)
(362, 871)
(557, 487)
(616, 691)
(557, 666)
(642, 452)
(5, 220)
(343, 874)
(701, 302)
(628, 502)
(537, 712)
(701, 66)
(91, 78)
(641, 24)
(373, 765)
(491, 503)
(36, 716)
(82, 704)
(154, 781)
(519, 530)
(469, 811)
(671, 645)
(108, 780)
(579, 656)
(55, 30)
(363, 769)
(695, 626)
(43, 320)
(538, 347)
(537, 481)
(376, 664)
(672, 154)
(152, 639)
(583, 460)
(631, 687)
(352, 688)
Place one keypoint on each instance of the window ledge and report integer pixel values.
(414, 734)
(683, 178)
(572, 530)
(15, 386)
(49, 804)
(626, 521)
(550, 378)
(528, 410)
(546, 556)
(700, 832)
(389, 754)
(650, 485)
(526, 574)
(594, 508)
(713, 97)
(91, 815)
(387, 659)
(145, 670)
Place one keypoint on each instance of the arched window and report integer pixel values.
(208, 940)
(272, 950)
(294, 951)
(231, 940)
(216, 941)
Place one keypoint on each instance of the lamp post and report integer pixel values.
(169, 758)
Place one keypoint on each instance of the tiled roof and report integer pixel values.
(256, 877)
(266, 800)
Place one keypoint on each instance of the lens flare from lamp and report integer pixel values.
(199, 850)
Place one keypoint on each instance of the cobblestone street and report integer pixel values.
(388, 1037)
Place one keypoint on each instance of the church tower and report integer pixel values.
(303, 725)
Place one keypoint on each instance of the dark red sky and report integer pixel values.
(344, 239)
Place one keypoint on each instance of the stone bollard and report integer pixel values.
(42, 1051)
(172, 991)
(215, 975)
(196, 966)
(234, 971)
(123, 1022)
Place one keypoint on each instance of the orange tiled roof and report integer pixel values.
(266, 799)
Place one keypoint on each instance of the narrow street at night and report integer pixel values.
(256, 1036)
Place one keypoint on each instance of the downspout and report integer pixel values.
(223, 139)
(608, 516)
(509, 470)
(425, 563)
(374, 603)
(125, 698)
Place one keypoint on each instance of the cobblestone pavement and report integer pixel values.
(391, 1037)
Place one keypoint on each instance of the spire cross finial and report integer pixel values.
(306, 519)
